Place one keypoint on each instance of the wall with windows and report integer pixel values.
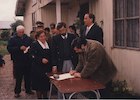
(121, 36)
(127, 40)
(121, 31)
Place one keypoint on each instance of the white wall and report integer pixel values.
(48, 15)
(73, 9)
(28, 17)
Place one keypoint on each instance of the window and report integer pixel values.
(126, 23)
(33, 21)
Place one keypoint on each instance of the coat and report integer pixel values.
(18, 56)
(95, 63)
(95, 33)
(58, 51)
(39, 71)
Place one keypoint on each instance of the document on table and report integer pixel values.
(63, 76)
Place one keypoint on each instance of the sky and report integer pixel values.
(7, 10)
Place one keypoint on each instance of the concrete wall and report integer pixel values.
(29, 9)
(28, 17)
(48, 15)
(127, 61)
(68, 12)
(73, 8)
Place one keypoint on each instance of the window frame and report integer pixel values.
(125, 19)
(34, 21)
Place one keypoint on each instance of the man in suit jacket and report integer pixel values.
(91, 30)
(18, 46)
(64, 56)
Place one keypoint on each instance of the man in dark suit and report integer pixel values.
(18, 47)
(91, 30)
(64, 56)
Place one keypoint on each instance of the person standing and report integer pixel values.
(47, 30)
(32, 35)
(2, 62)
(18, 47)
(54, 31)
(91, 30)
(41, 55)
(64, 56)
(39, 26)
(72, 30)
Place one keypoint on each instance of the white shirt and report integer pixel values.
(44, 46)
(88, 28)
(64, 36)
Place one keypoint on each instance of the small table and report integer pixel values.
(76, 85)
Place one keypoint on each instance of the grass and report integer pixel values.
(3, 47)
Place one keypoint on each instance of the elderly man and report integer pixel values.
(94, 62)
(18, 46)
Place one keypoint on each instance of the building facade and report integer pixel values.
(119, 20)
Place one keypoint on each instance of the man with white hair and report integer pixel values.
(18, 47)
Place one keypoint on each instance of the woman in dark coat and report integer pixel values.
(41, 65)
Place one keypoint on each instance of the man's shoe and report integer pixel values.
(30, 92)
(17, 95)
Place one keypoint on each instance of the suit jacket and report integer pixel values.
(18, 56)
(58, 51)
(95, 33)
(95, 64)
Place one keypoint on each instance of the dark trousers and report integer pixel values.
(20, 73)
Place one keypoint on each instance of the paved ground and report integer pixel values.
(7, 82)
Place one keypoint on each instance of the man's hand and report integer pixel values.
(77, 75)
(44, 61)
(54, 69)
(72, 72)
(23, 48)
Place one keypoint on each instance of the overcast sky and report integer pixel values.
(7, 10)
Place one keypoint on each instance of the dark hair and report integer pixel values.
(73, 28)
(32, 31)
(60, 25)
(52, 26)
(92, 16)
(39, 22)
(47, 29)
(78, 42)
(38, 33)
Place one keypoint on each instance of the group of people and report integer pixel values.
(82, 55)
